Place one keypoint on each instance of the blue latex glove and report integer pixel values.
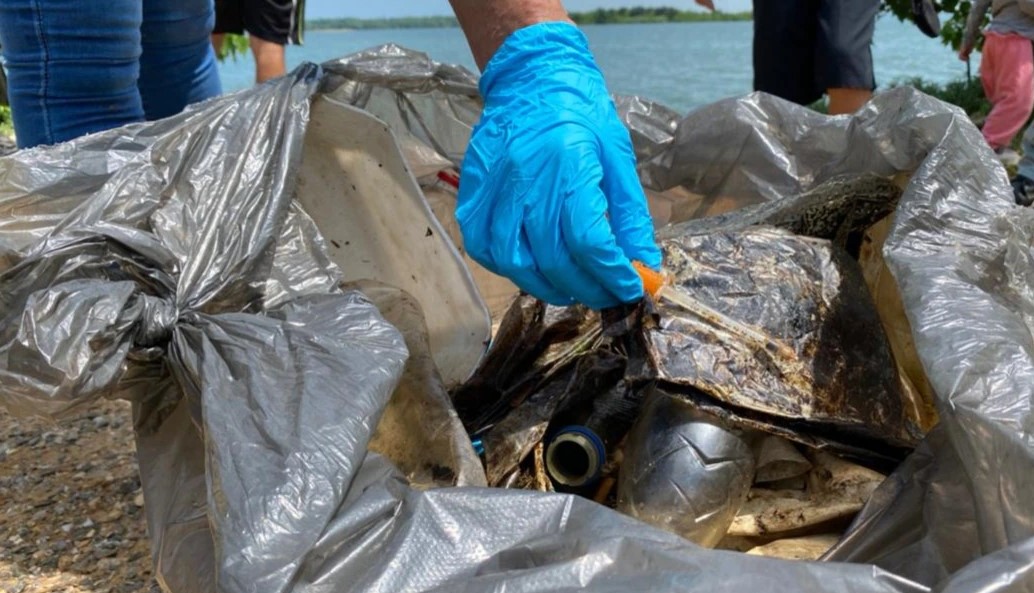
(549, 195)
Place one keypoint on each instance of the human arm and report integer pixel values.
(487, 23)
(549, 195)
(973, 21)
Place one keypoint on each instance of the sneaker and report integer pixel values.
(1008, 156)
(1023, 190)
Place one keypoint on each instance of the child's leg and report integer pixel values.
(1007, 72)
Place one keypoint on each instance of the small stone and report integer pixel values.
(100, 421)
(88, 523)
(138, 500)
(67, 528)
(59, 546)
(108, 564)
(105, 548)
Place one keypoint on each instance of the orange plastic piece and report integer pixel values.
(653, 281)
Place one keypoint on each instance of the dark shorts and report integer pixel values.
(278, 21)
(803, 47)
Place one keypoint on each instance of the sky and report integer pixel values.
(318, 9)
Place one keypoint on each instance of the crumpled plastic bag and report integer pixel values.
(165, 262)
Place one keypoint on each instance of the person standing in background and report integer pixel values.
(76, 67)
(270, 25)
(1006, 70)
(804, 49)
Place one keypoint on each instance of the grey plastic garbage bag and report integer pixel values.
(157, 286)
(295, 502)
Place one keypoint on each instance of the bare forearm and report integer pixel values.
(487, 23)
(973, 22)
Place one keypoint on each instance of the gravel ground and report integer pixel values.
(71, 516)
(70, 502)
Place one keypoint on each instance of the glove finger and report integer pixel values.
(557, 265)
(533, 282)
(493, 237)
(511, 254)
(630, 217)
(587, 232)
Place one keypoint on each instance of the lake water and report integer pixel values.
(683, 65)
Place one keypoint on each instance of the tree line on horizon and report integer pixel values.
(602, 16)
(951, 31)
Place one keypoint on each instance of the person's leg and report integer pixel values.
(72, 66)
(271, 25)
(846, 101)
(178, 65)
(784, 35)
(843, 55)
(1009, 76)
(218, 39)
(270, 59)
(227, 20)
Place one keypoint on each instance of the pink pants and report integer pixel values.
(1007, 73)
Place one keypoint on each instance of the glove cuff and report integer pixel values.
(535, 52)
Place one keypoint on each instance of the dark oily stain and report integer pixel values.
(578, 381)
(531, 339)
(442, 475)
(574, 386)
(834, 384)
(840, 210)
(801, 292)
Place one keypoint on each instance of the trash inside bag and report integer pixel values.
(197, 286)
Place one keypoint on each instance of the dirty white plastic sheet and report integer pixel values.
(172, 262)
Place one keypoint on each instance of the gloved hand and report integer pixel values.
(549, 195)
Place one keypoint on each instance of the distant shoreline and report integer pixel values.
(618, 16)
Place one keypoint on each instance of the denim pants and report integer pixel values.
(81, 66)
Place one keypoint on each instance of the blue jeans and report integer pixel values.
(81, 66)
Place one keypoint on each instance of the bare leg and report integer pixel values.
(846, 101)
(217, 42)
(269, 59)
